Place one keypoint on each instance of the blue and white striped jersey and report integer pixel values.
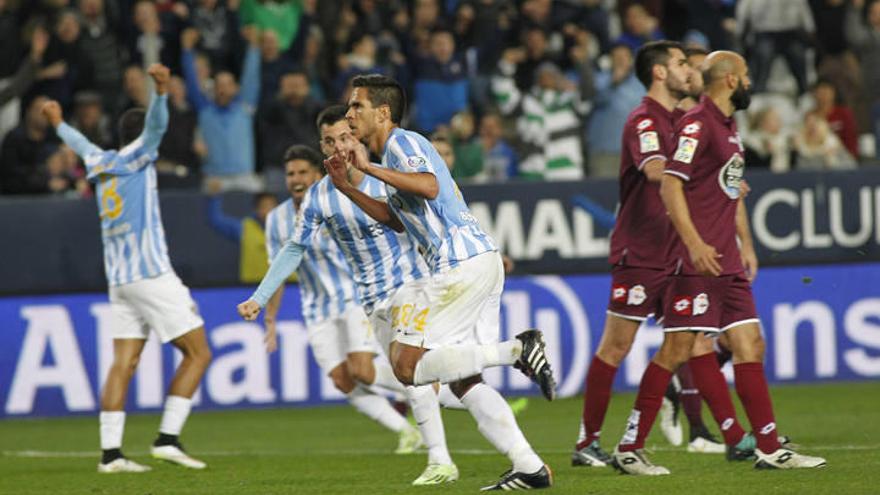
(128, 201)
(381, 259)
(325, 278)
(443, 227)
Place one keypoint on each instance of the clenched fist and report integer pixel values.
(52, 111)
(249, 310)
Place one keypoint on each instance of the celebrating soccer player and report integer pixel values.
(710, 291)
(144, 290)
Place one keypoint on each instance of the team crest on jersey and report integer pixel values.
(701, 304)
(645, 124)
(731, 174)
(687, 148)
(681, 305)
(648, 141)
(618, 293)
(415, 162)
(636, 295)
(692, 129)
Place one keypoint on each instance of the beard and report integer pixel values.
(741, 97)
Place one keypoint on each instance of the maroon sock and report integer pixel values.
(641, 419)
(597, 394)
(689, 397)
(751, 385)
(713, 387)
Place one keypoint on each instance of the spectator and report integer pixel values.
(548, 123)
(178, 164)
(523, 61)
(247, 232)
(24, 153)
(273, 65)
(280, 16)
(767, 144)
(468, 155)
(618, 91)
(227, 122)
(65, 174)
(499, 161)
(772, 27)
(360, 60)
(287, 120)
(818, 148)
(863, 35)
(218, 27)
(839, 116)
(639, 27)
(153, 40)
(90, 120)
(102, 48)
(441, 85)
(444, 148)
(135, 93)
(312, 63)
(71, 66)
(27, 72)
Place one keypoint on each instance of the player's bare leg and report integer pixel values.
(497, 423)
(747, 345)
(363, 368)
(126, 355)
(196, 358)
(617, 340)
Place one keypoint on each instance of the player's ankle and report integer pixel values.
(165, 439)
(110, 455)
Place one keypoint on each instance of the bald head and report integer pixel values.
(718, 65)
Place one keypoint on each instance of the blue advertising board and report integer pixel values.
(821, 323)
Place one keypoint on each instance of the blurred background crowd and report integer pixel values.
(507, 90)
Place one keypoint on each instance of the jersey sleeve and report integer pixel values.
(642, 141)
(308, 219)
(273, 235)
(407, 156)
(691, 142)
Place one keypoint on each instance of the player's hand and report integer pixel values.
(52, 111)
(251, 34)
(270, 339)
(750, 263)
(39, 42)
(161, 75)
(744, 189)
(705, 260)
(508, 263)
(249, 310)
(337, 169)
(188, 38)
(359, 158)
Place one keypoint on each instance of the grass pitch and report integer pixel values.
(334, 450)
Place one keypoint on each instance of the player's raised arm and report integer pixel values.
(412, 174)
(380, 211)
(71, 137)
(156, 121)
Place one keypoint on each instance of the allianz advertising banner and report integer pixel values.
(821, 323)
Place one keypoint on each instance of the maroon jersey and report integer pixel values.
(642, 228)
(709, 158)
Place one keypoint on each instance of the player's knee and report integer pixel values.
(126, 365)
(200, 355)
(461, 387)
(342, 380)
(613, 352)
(361, 369)
(404, 370)
(750, 350)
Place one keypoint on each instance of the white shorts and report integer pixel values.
(462, 305)
(333, 339)
(382, 314)
(161, 303)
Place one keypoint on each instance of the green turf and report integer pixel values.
(335, 450)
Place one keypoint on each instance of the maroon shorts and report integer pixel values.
(637, 293)
(709, 304)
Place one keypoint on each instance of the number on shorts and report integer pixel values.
(408, 316)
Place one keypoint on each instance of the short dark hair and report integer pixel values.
(331, 115)
(263, 196)
(692, 49)
(131, 125)
(303, 152)
(650, 54)
(383, 90)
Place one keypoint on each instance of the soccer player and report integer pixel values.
(144, 291)
(338, 329)
(709, 291)
(382, 263)
(447, 331)
(639, 271)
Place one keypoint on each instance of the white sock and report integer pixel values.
(176, 411)
(455, 362)
(496, 422)
(426, 411)
(112, 426)
(385, 378)
(377, 408)
(448, 399)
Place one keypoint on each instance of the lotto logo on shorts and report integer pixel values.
(636, 295)
(682, 305)
(618, 293)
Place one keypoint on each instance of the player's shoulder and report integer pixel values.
(281, 208)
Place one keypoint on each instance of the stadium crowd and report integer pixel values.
(532, 89)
